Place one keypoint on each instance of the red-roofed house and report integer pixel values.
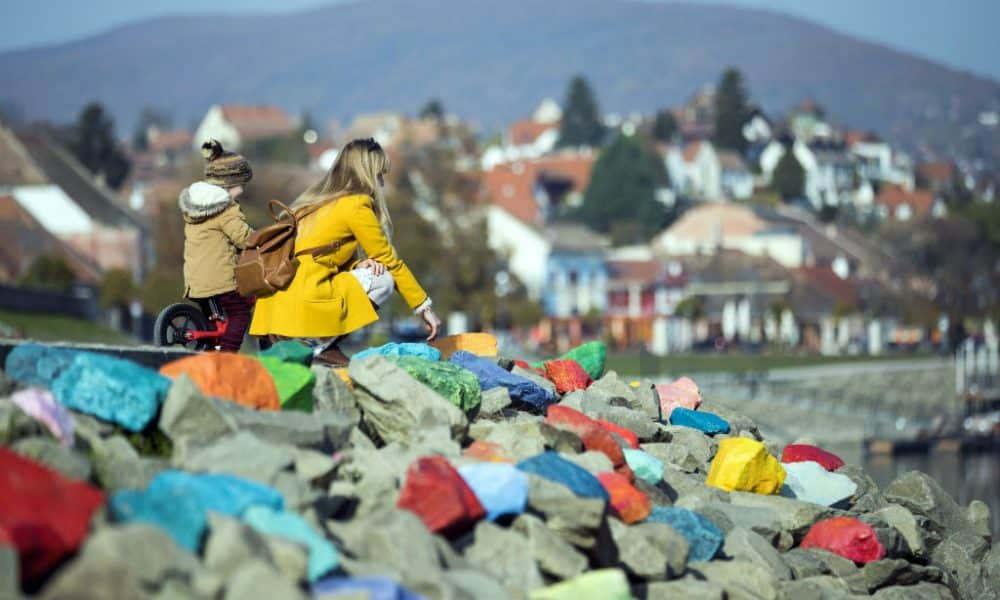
(235, 125)
(530, 189)
(893, 201)
(936, 176)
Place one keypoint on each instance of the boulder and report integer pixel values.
(650, 551)
(765, 521)
(594, 436)
(805, 563)
(743, 544)
(602, 584)
(279, 523)
(645, 466)
(289, 351)
(703, 537)
(95, 580)
(893, 571)
(962, 556)
(523, 392)
(809, 481)
(474, 584)
(567, 375)
(744, 464)
(635, 421)
(393, 349)
(553, 555)
(794, 453)
(795, 516)
(187, 412)
(922, 495)
(906, 524)
(111, 389)
(818, 588)
(41, 405)
(361, 587)
(628, 503)
(325, 431)
(577, 520)
(868, 497)
(843, 569)
(537, 377)
(630, 438)
(847, 537)
(294, 383)
(230, 543)
(36, 364)
(682, 393)
(612, 386)
(241, 454)
(480, 344)
(10, 571)
(686, 587)
(739, 578)
(702, 421)
(45, 515)
(396, 403)
(594, 462)
(494, 400)
(690, 450)
(117, 466)
(151, 555)
(55, 456)
(486, 452)
(506, 555)
(551, 466)
(15, 424)
(435, 492)
(236, 377)
(591, 356)
(920, 591)
(455, 384)
(500, 487)
(256, 580)
(978, 516)
(333, 393)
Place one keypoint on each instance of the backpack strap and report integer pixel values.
(325, 248)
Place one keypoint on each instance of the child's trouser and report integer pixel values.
(237, 310)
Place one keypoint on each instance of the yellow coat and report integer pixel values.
(324, 299)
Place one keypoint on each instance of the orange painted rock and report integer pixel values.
(847, 537)
(436, 492)
(480, 344)
(629, 436)
(630, 505)
(593, 436)
(568, 375)
(486, 452)
(242, 379)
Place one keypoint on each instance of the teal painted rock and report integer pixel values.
(458, 385)
(178, 502)
(591, 356)
(293, 381)
(405, 349)
(322, 555)
(111, 389)
(289, 352)
(35, 364)
(645, 466)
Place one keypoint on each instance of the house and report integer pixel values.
(736, 178)
(695, 170)
(757, 129)
(576, 273)
(830, 171)
(876, 161)
(939, 177)
(643, 295)
(533, 190)
(23, 240)
(529, 138)
(807, 122)
(895, 202)
(235, 125)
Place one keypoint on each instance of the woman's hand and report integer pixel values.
(376, 267)
(432, 322)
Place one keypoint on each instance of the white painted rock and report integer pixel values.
(810, 482)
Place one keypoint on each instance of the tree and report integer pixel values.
(581, 121)
(148, 118)
(117, 288)
(665, 126)
(434, 109)
(731, 112)
(621, 196)
(789, 178)
(49, 272)
(92, 141)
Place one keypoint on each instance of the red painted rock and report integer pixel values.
(629, 504)
(436, 492)
(625, 434)
(522, 364)
(237, 377)
(593, 436)
(683, 392)
(804, 452)
(46, 516)
(486, 452)
(847, 537)
(568, 375)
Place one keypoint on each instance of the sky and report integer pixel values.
(957, 33)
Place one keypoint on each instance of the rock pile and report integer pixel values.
(443, 472)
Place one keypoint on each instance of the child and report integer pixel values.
(214, 232)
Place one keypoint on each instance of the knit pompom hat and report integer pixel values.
(226, 169)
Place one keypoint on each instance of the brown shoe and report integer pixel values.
(333, 357)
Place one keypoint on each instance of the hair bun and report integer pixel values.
(211, 149)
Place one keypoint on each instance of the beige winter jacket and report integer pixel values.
(215, 230)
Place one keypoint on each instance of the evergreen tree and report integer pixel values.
(434, 109)
(148, 117)
(621, 198)
(92, 141)
(665, 126)
(581, 121)
(789, 178)
(731, 112)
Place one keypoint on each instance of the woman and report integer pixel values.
(338, 292)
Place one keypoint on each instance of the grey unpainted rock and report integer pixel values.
(685, 587)
(612, 386)
(187, 412)
(331, 394)
(804, 564)
(635, 421)
(920, 591)
(392, 537)
(594, 462)
(893, 571)
(962, 556)
(978, 516)
(494, 400)
(580, 521)
(256, 580)
(51, 453)
(743, 544)
(691, 487)
(553, 555)
(117, 466)
(9, 574)
(242, 454)
(822, 587)
(689, 449)
(650, 551)
(739, 578)
(15, 424)
(230, 543)
(506, 555)
(868, 497)
(475, 585)
(765, 521)
(152, 557)
(796, 517)
(110, 579)
(535, 378)
(921, 495)
(393, 402)
(738, 422)
(903, 521)
(843, 569)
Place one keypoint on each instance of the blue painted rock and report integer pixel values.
(553, 467)
(294, 383)
(404, 349)
(704, 538)
(500, 487)
(290, 352)
(645, 466)
(457, 385)
(702, 421)
(810, 482)
(35, 364)
(111, 389)
(373, 588)
(491, 375)
(177, 502)
(322, 555)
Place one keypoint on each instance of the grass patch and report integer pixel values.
(680, 364)
(59, 328)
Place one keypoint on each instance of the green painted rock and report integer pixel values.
(293, 381)
(460, 386)
(290, 352)
(591, 357)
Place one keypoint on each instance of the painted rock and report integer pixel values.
(289, 351)
(629, 504)
(405, 349)
(810, 482)
(804, 452)
(629, 436)
(745, 465)
(491, 375)
(480, 344)
(847, 537)
(323, 556)
(568, 375)
(591, 356)
(435, 492)
(645, 466)
(456, 384)
(293, 382)
(41, 405)
(704, 422)
(35, 364)
(704, 537)
(374, 588)
(500, 487)
(236, 377)
(593, 436)
(682, 393)
(553, 467)
(486, 452)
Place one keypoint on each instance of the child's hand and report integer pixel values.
(376, 267)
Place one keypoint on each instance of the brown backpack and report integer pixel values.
(269, 261)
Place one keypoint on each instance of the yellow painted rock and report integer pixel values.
(480, 344)
(745, 465)
(603, 584)
(345, 377)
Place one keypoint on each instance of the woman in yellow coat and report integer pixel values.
(339, 292)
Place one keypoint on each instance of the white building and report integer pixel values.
(695, 170)
(234, 125)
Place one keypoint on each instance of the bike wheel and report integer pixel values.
(176, 319)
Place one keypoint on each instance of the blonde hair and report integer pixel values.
(356, 170)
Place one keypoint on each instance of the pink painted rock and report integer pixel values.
(42, 406)
(682, 392)
(847, 537)
(804, 452)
